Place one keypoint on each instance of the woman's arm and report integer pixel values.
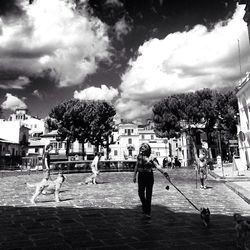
(160, 168)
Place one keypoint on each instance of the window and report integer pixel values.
(115, 153)
(129, 140)
(59, 145)
(143, 137)
(152, 137)
(36, 150)
(158, 154)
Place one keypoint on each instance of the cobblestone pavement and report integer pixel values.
(107, 215)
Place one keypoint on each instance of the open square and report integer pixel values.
(108, 215)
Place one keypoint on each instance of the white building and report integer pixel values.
(128, 137)
(243, 95)
(35, 125)
(126, 140)
(14, 133)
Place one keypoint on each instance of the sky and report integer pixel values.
(130, 53)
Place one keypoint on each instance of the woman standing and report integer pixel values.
(144, 167)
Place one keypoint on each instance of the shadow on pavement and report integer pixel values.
(107, 228)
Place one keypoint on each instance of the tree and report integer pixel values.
(50, 124)
(194, 111)
(102, 125)
(62, 114)
(85, 121)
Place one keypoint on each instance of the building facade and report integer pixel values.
(243, 95)
(35, 125)
(14, 138)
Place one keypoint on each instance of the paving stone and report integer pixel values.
(107, 215)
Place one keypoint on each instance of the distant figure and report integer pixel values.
(202, 170)
(46, 160)
(94, 168)
(165, 162)
(177, 163)
(169, 161)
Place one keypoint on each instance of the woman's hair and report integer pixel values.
(145, 149)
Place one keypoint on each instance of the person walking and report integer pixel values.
(144, 167)
(46, 160)
(202, 170)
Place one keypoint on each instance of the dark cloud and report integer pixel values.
(10, 8)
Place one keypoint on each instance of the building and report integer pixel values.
(35, 125)
(246, 17)
(126, 140)
(129, 136)
(243, 95)
(15, 135)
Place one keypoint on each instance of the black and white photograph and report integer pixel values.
(125, 124)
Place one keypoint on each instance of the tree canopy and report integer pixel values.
(85, 121)
(206, 109)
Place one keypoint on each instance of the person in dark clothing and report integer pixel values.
(177, 163)
(46, 160)
(144, 167)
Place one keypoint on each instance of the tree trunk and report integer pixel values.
(107, 149)
(67, 147)
(83, 151)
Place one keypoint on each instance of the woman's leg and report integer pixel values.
(141, 190)
(149, 191)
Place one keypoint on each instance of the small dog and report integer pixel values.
(205, 216)
(92, 178)
(242, 228)
(48, 186)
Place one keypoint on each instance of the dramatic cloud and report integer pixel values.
(121, 28)
(52, 34)
(19, 83)
(185, 61)
(12, 102)
(94, 93)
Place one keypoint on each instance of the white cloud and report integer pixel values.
(19, 83)
(37, 94)
(132, 109)
(12, 102)
(95, 93)
(121, 28)
(186, 61)
(53, 35)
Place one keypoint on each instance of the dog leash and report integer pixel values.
(183, 195)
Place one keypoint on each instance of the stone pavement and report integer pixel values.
(107, 215)
(238, 182)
